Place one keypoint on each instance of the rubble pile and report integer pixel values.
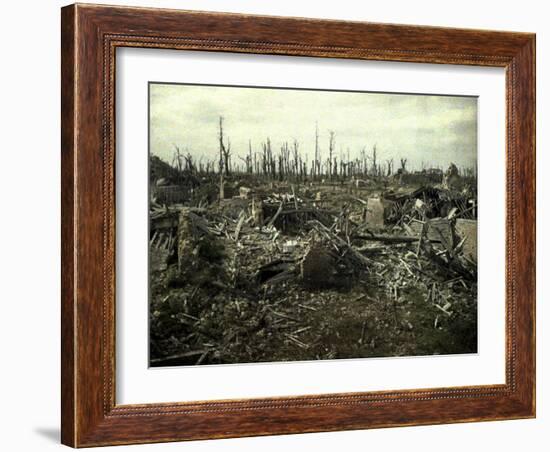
(286, 273)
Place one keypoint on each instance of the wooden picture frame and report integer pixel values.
(90, 36)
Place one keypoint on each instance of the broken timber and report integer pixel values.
(392, 238)
(323, 230)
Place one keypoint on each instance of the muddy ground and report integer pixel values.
(241, 296)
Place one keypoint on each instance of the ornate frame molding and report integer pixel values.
(90, 37)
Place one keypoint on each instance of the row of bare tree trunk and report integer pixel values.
(288, 163)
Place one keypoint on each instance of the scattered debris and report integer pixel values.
(331, 269)
(245, 192)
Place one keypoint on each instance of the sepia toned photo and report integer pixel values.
(299, 225)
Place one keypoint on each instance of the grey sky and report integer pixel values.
(436, 130)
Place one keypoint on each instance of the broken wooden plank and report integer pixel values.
(176, 357)
(242, 216)
(341, 242)
(272, 221)
(392, 238)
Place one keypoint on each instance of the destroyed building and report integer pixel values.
(244, 271)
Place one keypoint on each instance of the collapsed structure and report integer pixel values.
(243, 271)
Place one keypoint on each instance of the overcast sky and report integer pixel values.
(436, 130)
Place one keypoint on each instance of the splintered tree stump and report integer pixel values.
(317, 267)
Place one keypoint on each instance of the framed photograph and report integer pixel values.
(281, 225)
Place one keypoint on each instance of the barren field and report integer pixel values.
(244, 269)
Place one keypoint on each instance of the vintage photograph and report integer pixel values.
(297, 224)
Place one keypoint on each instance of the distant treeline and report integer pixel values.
(287, 162)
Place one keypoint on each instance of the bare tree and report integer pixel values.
(317, 165)
(389, 167)
(225, 151)
(374, 168)
(189, 163)
(176, 159)
(330, 152)
(296, 158)
(364, 159)
(269, 166)
(248, 159)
